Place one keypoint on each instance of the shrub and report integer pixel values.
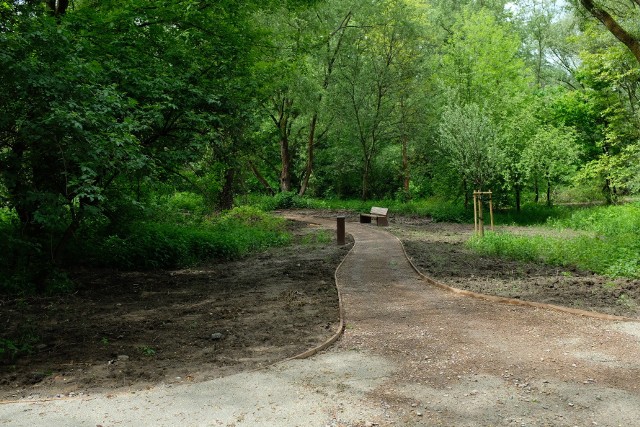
(11, 349)
(187, 204)
(149, 245)
(531, 214)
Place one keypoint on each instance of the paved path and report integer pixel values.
(411, 355)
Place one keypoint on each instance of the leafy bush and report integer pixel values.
(187, 204)
(150, 245)
(141, 242)
(445, 211)
(532, 214)
(286, 200)
(14, 269)
(11, 349)
(8, 349)
(604, 220)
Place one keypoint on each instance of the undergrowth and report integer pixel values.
(604, 238)
(177, 235)
(152, 244)
(437, 209)
(605, 241)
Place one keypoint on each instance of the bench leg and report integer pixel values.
(382, 221)
(365, 219)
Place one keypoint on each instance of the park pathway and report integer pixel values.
(411, 355)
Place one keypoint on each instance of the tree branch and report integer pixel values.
(613, 26)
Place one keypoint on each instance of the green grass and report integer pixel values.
(149, 245)
(437, 209)
(606, 242)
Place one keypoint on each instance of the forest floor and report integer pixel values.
(136, 330)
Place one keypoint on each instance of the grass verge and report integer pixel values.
(606, 242)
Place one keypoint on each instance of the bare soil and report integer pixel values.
(439, 251)
(135, 330)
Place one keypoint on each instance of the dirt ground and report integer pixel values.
(135, 330)
(439, 251)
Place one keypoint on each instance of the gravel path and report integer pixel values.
(411, 355)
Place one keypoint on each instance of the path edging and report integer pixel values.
(341, 327)
(304, 355)
(511, 301)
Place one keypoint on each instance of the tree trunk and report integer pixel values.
(262, 179)
(465, 191)
(47, 266)
(225, 202)
(549, 192)
(58, 7)
(310, 146)
(365, 179)
(285, 174)
(606, 190)
(333, 55)
(64, 241)
(283, 123)
(405, 164)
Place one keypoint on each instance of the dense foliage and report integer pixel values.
(114, 113)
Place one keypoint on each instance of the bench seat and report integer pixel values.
(379, 214)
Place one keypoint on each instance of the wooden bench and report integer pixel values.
(380, 215)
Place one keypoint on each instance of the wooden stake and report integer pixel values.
(491, 209)
(480, 219)
(475, 213)
(340, 230)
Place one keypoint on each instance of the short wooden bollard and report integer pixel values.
(340, 231)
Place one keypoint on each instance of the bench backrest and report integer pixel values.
(379, 211)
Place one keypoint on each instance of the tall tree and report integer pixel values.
(609, 75)
(494, 76)
(380, 66)
(107, 91)
(469, 142)
(491, 74)
(331, 51)
(551, 156)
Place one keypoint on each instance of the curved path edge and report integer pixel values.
(341, 325)
(304, 355)
(512, 301)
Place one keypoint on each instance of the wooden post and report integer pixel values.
(480, 219)
(475, 213)
(341, 231)
(491, 209)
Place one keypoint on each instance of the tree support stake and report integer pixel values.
(478, 220)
